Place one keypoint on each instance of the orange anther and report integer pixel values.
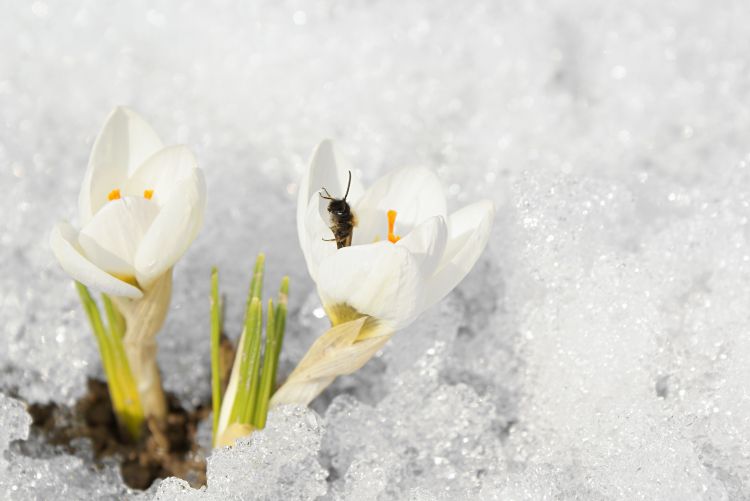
(114, 194)
(391, 223)
(147, 194)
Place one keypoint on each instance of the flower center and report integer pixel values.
(115, 194)
(393, 238)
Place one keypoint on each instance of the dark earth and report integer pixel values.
(162, 453)
(173, 451)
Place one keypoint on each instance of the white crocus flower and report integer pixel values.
(140, 207)
(406, 254)
(381, 275)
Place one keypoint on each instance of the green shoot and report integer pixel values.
(114, 318)
(246, 403)
(123, 390)
(274, 338)
(266, 384)
(281, 318)
(256, 284)
(215, 349)
(250, 336)
(253, 368)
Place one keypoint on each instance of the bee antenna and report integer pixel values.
(348, 185)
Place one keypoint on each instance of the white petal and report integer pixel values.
(469, 229)
(124, 142)
(414, 193)
(161, 172)
(110, 240)
(173, 230)
(323, 204)
(427, 243)
(381, 280)
(318, 237)
(62, 240)
(329, 170)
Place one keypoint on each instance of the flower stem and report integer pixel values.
(142, 359)
(144, 318)
(122, 388)
(341, 350)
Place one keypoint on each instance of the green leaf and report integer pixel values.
(123, 389)
(215, 349)
(128, 405)
(267, 375)
(114, 318)
(275, 327)
(256, 284)
(249, 344)
(254, 367)
(281, 318)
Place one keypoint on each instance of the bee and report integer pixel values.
(341, 217)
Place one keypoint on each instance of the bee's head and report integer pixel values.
(339, 208)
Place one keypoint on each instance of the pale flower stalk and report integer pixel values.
(407, 252)
(140, 207)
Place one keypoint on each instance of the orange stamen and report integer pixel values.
(114, 194)
(147, 194)
(391, 223)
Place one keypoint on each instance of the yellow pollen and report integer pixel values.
(391, 223)
(114, 194)
(147, 194)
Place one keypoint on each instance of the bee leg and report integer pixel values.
(329, 239)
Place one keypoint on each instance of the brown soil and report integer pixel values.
(163, 453)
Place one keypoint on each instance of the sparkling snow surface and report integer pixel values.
(599, 350)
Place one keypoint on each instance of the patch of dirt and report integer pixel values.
(162, 453)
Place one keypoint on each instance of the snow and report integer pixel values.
(41, 472)
(278, 463)
(600, 348)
